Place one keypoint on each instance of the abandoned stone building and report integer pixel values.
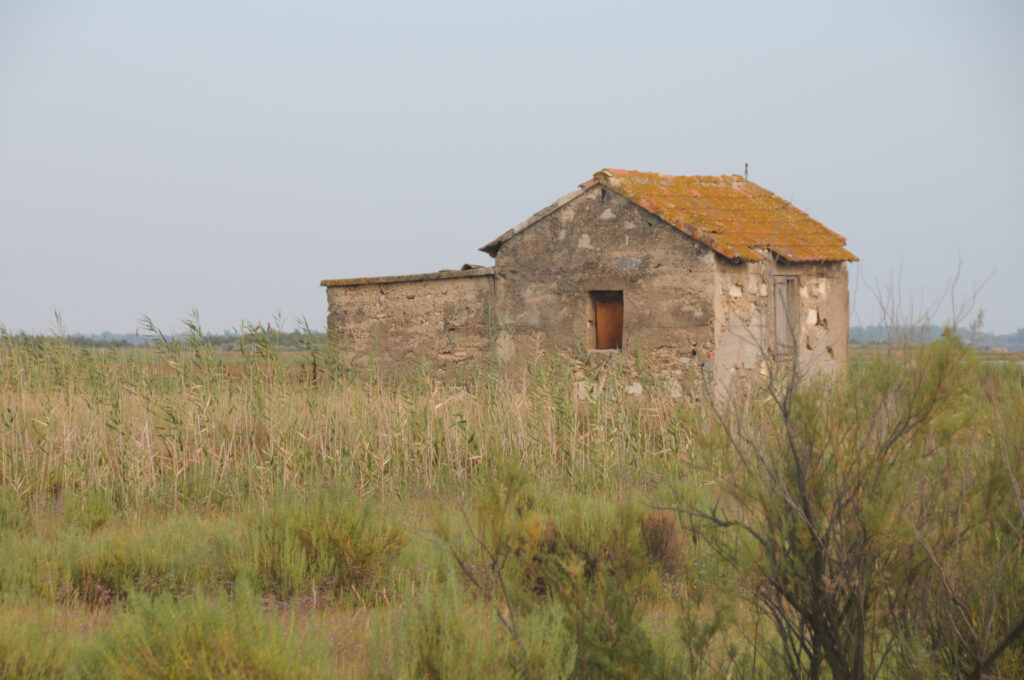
(702, 273)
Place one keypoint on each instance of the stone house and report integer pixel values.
(702, 273)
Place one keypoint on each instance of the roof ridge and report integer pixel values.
(600, 174)
(728, 213)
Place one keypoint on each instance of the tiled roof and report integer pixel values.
(731, 215)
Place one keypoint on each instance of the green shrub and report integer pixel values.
(29, 645)
(447, 633)
(586, 557)
(176, 557)
(601, 575)
(13, 518)
(196, 637)
(326, 541)
(90, 512)
(438, 640)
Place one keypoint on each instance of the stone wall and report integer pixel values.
(824, 321)
(743, 307)
(597, 242)
(689, 311)
(746, 318)
(443, 317)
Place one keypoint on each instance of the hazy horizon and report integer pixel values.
(156, 159)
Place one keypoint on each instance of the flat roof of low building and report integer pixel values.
(467, 271)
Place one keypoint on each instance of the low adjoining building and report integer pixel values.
(712, 273)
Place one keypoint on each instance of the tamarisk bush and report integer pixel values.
(835, 515)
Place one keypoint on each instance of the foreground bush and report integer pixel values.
(852, 509)
(323, 544)
(195, 637)
(173, 555)
(326, 541)
(30, 646)
(568, 579)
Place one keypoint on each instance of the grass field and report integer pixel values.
(177, 512)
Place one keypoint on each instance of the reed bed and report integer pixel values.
(179, 421)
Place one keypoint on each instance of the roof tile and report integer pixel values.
(730, 214)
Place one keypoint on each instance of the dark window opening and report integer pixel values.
(787, 305)
(607, 318)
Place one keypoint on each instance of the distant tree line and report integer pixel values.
(285, 341)
(1013, 342)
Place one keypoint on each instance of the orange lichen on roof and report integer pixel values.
(729, 214)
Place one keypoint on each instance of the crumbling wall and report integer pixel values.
(601, 242)
(824, 319)
(443, 317)
(743, 298)
(745, 319)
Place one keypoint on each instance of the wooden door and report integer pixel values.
(787, 303)
(608, 318)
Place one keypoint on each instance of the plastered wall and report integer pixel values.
(746, 317)
(824, 320)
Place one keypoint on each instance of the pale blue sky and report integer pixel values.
(161, 156)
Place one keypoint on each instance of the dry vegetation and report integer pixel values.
(168, 513)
